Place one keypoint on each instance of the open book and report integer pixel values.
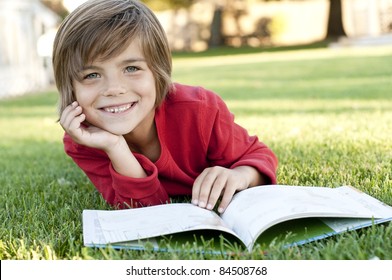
(256, 215)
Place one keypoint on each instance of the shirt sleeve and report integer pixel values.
(230, 145)
(116, 189)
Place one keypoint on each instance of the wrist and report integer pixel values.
(117, 147)
(253, 176)
(123, 161)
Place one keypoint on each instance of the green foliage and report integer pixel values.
(326, 113)
(168, 4)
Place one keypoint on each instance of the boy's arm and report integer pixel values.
(123, 161)
(117, 189)
(238, 160)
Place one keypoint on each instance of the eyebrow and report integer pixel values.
(90, 67)
(131, 60)
(126, 61)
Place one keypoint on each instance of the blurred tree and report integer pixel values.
(236, 8)
(56, 6)
(176, 6)
(216, 30)
(335, 28)
(221, 6)
(159, 5)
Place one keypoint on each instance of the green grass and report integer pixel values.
(223, 51)
(326, 113)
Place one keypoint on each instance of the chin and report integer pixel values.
(118, 130)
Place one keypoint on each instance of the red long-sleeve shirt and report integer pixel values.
(196, 131)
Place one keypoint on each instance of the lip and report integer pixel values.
(118, 108)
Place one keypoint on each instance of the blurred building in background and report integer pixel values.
(368, 17)
(367, 22)
(24, 56)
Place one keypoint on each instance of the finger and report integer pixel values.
(64, 118)
(70, 116)
(206, 187)
(210, 186)
(73, 126)
(216, 190)
(226, 198)
(76, 123)
(203, 185)
(197, 187)
(66, 111)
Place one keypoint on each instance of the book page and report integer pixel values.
(254, 210)
(135, 224)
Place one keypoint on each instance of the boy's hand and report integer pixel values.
(123, 161)
(73, 122)
(219, 181)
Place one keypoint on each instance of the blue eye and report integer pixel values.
(131, 69)
(92, 76)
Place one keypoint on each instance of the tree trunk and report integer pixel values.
(335, 20)
(216, 37)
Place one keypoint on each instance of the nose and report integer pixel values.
(114, 86)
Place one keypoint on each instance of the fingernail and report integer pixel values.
(202, 204)
(209, 206)
(195, 202)
(220, 210)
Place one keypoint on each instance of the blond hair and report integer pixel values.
(103, 29)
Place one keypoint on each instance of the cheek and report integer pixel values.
(148, 87)
(85, 97)
(77, 90)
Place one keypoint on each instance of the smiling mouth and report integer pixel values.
(118, 109)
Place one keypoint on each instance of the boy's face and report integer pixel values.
(118, 94)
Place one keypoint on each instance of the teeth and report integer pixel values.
(119, 109)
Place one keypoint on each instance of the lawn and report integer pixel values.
(327, 114)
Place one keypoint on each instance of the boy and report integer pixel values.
(140, 138)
